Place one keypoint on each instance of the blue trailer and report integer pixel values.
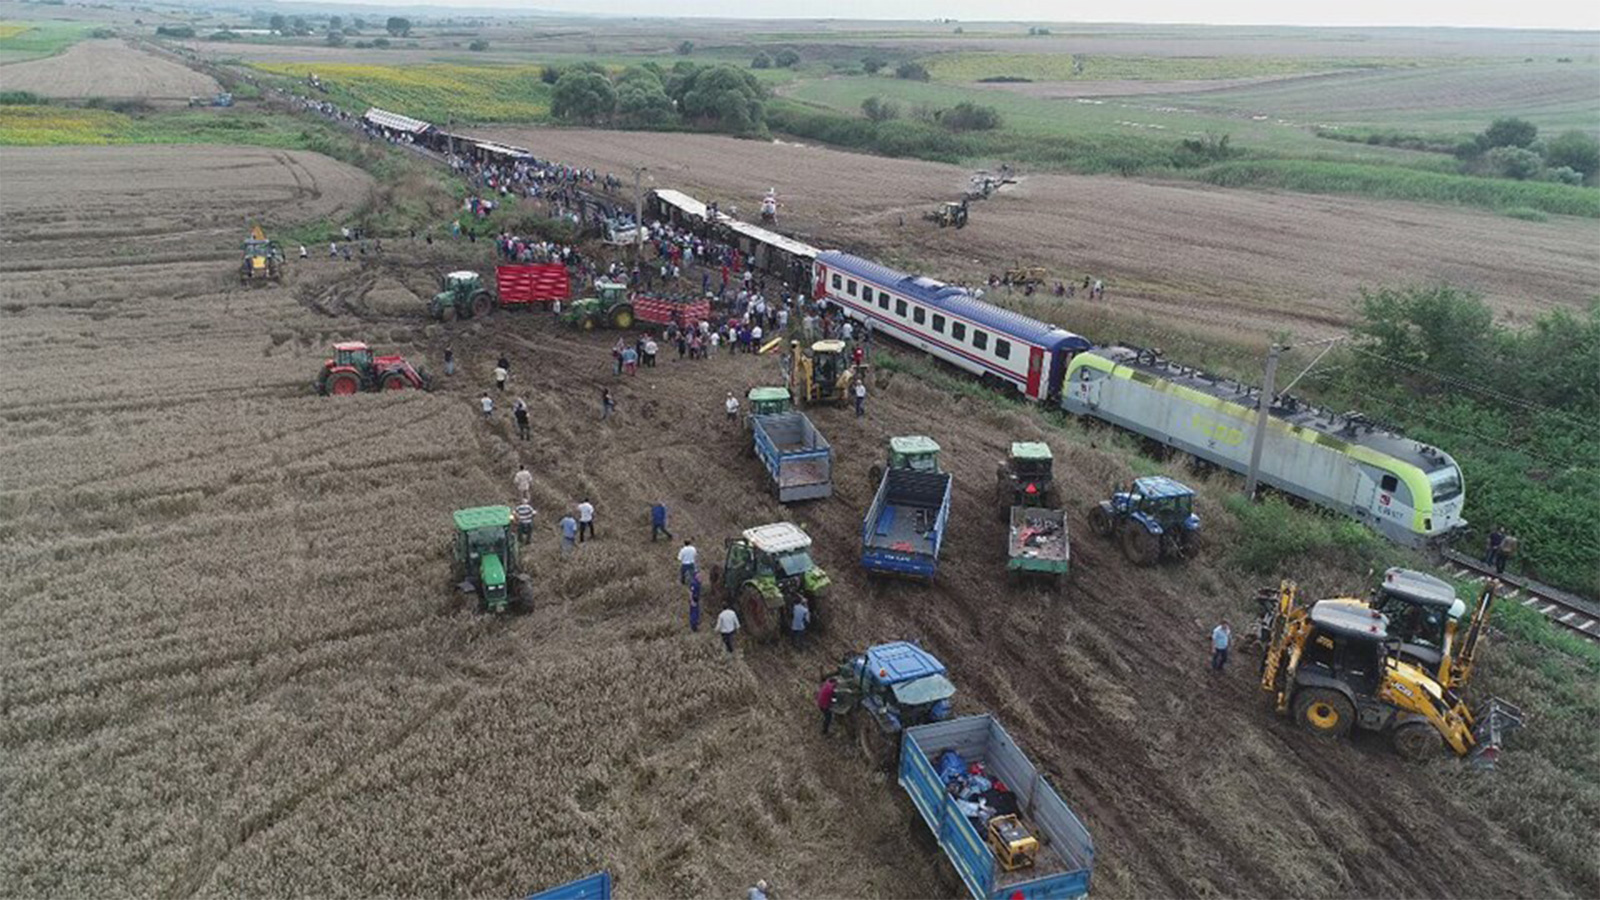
(589, 887)
(796, 455)
(1059, 866)
(904, 527)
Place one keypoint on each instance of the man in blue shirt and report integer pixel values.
(798, 622)
(658, 521)
(569, 534)
(1221, 637)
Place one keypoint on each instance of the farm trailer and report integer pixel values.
(1036, 542)
(1064, 858)
(797, 457)
(527, 285)
(904, 527)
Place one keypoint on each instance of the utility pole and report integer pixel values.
(638, 215)
(1264, 409)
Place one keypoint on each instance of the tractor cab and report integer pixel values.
(767, 401)
(1159, 500)
(1348, 642)
(1027, 476)
(462, 280)
(353, 354)
(486, 555)
(915, 452)
(610, 306)
(462, 296)
(828, 365)
(766, 570)
(1420, 609)
(900, 684)
(610, 292)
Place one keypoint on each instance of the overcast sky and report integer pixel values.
(1492, 13)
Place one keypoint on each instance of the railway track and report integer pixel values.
(1562, 608)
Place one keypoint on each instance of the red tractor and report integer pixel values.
(354, 369)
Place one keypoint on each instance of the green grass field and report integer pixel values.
(975, 66)
(33, 126)
(31, 40)
(437, 92)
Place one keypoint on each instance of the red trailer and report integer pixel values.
(524, 285)
(667, 311)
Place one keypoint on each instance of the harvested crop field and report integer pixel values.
(1220, 262)
(109, 69)
(234, 662)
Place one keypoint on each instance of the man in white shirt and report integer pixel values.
(755, 337)
(732, 406)
(727, 624)
(487, 405)
(861, 397)
(585, 520)
(686, 559)
(524, 482)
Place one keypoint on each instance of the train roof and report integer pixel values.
(955, 300)
(1334, 428)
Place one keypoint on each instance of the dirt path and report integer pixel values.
(1199, 259)
(109, 69)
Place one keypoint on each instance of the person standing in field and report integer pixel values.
(732, 406)
(486, 403)
(687, 556)
(799, 620)
(585, 520)
(449, 361)
(1497, 536)
(524, 512)
(608, 405)
(825, 701)
(569, 534)
(524, 481)
(694, 603)
(658, 521)
(519, 410)
(860, 391)
(1221, 637)
(727, 624)
(1508, 549)
(500, 376)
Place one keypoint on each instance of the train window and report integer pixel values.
(980, 339)
(851, 288)
(1002, 348)
(919, 315)
(838, 282)
(900, 308)
(1390, 484)
(938, 323)
(958, 330)
(883, 300)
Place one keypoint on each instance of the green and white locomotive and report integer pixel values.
(1408, 491)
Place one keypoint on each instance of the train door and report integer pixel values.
(1035, 372)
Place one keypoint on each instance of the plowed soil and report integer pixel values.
(109, 69)
(233, 660)
(1217, 262)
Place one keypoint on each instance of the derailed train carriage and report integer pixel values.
(1406, 490)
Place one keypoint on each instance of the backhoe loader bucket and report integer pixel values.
(1491, 723)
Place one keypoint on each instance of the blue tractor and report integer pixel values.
(888, 689)
(1153, 518)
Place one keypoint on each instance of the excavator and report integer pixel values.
(1335, 666)
(823, 376)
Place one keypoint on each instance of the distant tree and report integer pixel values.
(877, 109)
(398, 26)
(359, 22)
(336, 23)
(351, 30)
(298, 25)
(970, 117)
(686, 48)
(786, 59)
(223, 35)
(381, 43)
(583, 96)
(175, 31)
(720, 97)
(912, 71)
(550, 74)
(642, 100)
(873, 63)
(1514, 162)
(478, 46)
(1574, 150)
(960, 30)
(1509, 132)
(335, 39)
(278, 23)
(762, 61)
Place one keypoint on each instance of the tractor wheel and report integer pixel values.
(1418, 741)
(445, 312)
(521, 594)
(1099, 521)
(878, 748)
(394, 381)
(482, 304)
(588, 323)
(343, 383)
(1323, 712)
(760, 623)
(875, 475)
(622, 316)
(1140, 546)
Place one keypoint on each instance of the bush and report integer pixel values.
(550, 74)
(175, 31)
(876, 109)
(223, 35)
(1275, 538)
(762, 61)
(335, 39)
(786, 59)
(872, 64)
(478, 46)
(583, 96)
(1509, 132)
(21, 98)
(1574, 150)
(970, 117)
(1516, 163)
(686, 48)
(912, 71)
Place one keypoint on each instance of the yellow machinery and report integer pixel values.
(1334, 667)
(262, 258)
(1013, 846)
(823, 376)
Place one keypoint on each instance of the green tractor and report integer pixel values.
(1025, 478)
(915, 452)
(611, 306)
(766, 401)
(463, 297)
(486, 560)
(767, 569)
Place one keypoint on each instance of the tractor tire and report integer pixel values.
(1099, 521)
(588, 323)
(482, 304)
(394, 381)
(621, 316)
(1417, 741)
(521, 594)
(446, 312)
(1323, 712)
(1140, 547)
(879, 749)
(341, 384)
(875, 475)
(761, 624)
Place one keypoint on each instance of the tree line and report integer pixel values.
(711, 97)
